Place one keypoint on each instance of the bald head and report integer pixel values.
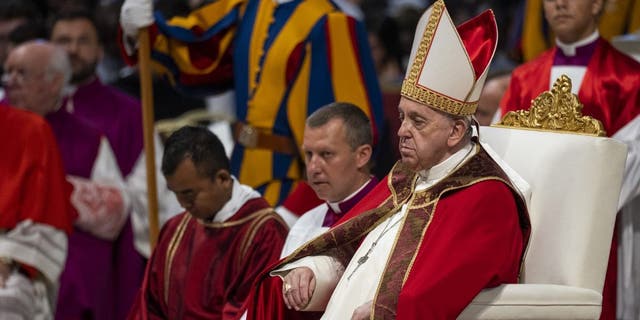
(36, 74)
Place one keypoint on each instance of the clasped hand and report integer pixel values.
(297, 287)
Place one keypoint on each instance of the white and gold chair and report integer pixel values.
(575, 175)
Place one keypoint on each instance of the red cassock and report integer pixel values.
(609, 92)
(202, 271)
(32, 180)
(462, 235)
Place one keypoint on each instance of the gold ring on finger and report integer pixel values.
(286, 287)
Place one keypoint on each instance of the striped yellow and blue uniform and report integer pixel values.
(284, 60)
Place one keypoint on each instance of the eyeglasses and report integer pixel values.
(20, 76)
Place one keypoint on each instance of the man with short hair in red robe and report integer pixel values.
(35, 213)
(447, 223)
(208, 257)
(607, 82)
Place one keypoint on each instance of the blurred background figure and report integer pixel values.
(489, 103)
(386, 53)
(119, 117)
(34, 197)
(23, 15)
(532, 34)
(36, 216)
(99, 196)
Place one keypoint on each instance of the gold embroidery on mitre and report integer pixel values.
(555, 110)
(410, 87)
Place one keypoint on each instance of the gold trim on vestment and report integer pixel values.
(398, 199)
(557, 110)
(263, 216)
(411, 88)
(421, 207)
(342, 241)
(173, 246)
(233, 223)
(176, 239)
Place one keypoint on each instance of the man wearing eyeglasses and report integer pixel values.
(35, 214)
(36, 74)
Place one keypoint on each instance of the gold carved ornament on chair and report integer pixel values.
(555, 110)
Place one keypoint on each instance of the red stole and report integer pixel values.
(609, 88)
(471, 241)
(206, 272)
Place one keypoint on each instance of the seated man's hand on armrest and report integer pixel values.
(297, 287)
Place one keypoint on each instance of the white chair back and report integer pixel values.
(575, 181)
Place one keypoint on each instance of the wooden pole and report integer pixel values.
(146, 93)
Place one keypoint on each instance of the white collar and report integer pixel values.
(335, 206)
(240, 194)
(279, 2)
(569, 49)
(431, 176)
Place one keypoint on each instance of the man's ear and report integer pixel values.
(458, 132)
(57, 82)
(363, 155)
(597, 7)
(223, 176)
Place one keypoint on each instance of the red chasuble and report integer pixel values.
(32, 180)
(466, 233)
(609, 89)
(610, 93)
(202, 271)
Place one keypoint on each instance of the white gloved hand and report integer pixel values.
(134, 15)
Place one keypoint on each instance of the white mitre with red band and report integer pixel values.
(448, 66)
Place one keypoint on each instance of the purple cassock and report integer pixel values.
(331, 217)
(104, 277)
(88, 270)
(581, 58)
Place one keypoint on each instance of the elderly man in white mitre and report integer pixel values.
(447, 223)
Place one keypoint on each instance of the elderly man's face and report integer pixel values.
(28, 83)
(424, 134)
(334, 168)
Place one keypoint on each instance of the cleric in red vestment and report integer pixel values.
(208, 257)
(445, 224)
(35, 213)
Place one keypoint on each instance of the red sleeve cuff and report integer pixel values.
(28, 270)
